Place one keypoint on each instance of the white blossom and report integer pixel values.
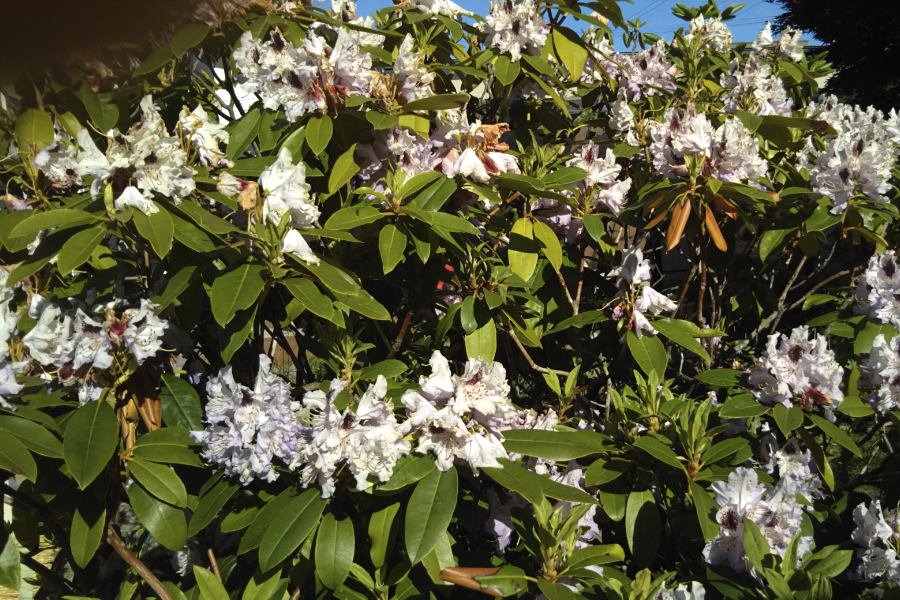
(286, 191)
(294, 244)
(754, 89)
(409, 64)
(205, 136)
(131, 197)
(788, 45)
(143, 336)
(880, 542)
(878, 290)
(881, 374)
(714, 33)
(514, 27)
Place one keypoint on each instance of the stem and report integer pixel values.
(815, 287)
(399, 339)
(565, 288)
(775, 317)
(702, 285)
(508, 200)
(134, 562)
(580, 278)
(530, 360)
(214, 564)
(684, 288)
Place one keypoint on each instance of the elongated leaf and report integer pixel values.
(88, 527)
(604, 471)
(34, 128)
(165, 523)
(407, 471)
(788, 419)
(549, 243)
(180, 404)
(505, 70)
(236, 289)
(642, 527)
(523, 251)
(91, 437)
(16, 458)
(382, 531)
(103, 113)
(159, 480)
(720, 377)
(335, 545)
(210, 505)
(706, 509)
(835, 433)
(592, 556)
(570, 50)
(755, 545)
(429, 512)
(553, 445)
(243, 134)
(155, 61)
(257, 531)
(514, 477)
(723, 449)
(391, 244)
(742, 407)
(387, 368)
(33, 436)
(353, 216)
(658, 450)
(313, 300)
(345, 167)
(60, 217)
(482, 343)
(434, 196)
(683, 334)
(10, 567)
(295, 522)
(167, 445)
(437, 102)
(78, 249)
(210, 586)
(363, 303)
(648, 352)
(158, 229)
(818, 456)
(319, 130)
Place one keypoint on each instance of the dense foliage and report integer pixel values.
(305, 304)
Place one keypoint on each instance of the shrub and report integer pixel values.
(307, 304)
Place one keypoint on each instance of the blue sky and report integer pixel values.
(748, 22)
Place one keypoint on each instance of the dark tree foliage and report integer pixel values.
(863, 43)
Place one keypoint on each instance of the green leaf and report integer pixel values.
(210, 505)
(34, 126)
(592, 556)
(682, 333)
(555, 591)
(453, 224)
(353, 216)
(391, 244)
(835, 433)
(553, 445)
(235, 289)
(180, 404)
(380, 120)
(261, 587)
(210, 586)
(386, 368)
(742, 407)
(407, 471)
(57, 218)
(818, 456)
(363, 303)
(295, 522)
(723, 449)
(155, 61)
(102, 112)
(158, 229)
(579, 320)
(88, 527)
(755, 545)
(189, 36)
(505, 70)
(313, 300)
(773, 240)
(787, 420)
(648, 352)
(832, 565)
(257, 531)
(78, 249)
(642, 527)
(159, 480)
(10, 568)
(91, 437)
(33, 436)
(603, 471)
(319, 130)
(382, 531)
(659, 451)
(345, 167)
(482, 343)
(706, 509)
(570, 50)
(515, 478)
(434, 196)
(429, 512)
(335, 544)
(720, 377)
(16, 458)
(549, 244)
(171, 444)
(165, 523)
(523, 251)
(242, 135)
(437, 102)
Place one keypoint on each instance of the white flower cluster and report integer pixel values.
(205, 136)
(881, 374)
(286, 193)
(774, 510)
(633, 277)
(754, 89)
(880, 543)
(462, 417)
(305, 78)
(440, 7)
(798, 369)
(645, 73)
(684, 591)
(368, 439)
(599, 189)
(9, 317)
(858, 159)
(787, 46)
(515, 26)
(714, 33)
(409, 65)
(74, 342)
(247, 427)
(155, 160)
(878, 290)
(728, 153)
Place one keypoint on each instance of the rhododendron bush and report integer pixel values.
(301, 303)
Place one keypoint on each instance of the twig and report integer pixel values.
(815, 287)
(780, 310)
(530, 360)
(214, 564)
(565, 288)
(135, 563)
(580, 278)
(508, 200)
(295, 595)
(684, 288)
(398, 341)
(702, 286)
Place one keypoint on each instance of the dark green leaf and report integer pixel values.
(165, 523)
(294, 523)
(429, 512)
(180, 404)
(91, 437)
(335, 544)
